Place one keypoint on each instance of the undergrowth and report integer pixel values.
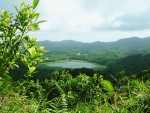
(82, 94)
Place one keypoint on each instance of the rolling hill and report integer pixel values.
(128, 45)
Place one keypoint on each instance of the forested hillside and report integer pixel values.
(133, 44)
(131, 64)
(98, 52)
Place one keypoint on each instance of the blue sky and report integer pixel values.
(90, 20)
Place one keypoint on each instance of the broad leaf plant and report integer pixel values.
(15, 44)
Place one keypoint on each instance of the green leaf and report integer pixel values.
(5, 23)
(31, 69)
(35, 3)
(7, 39)
(33, 28)
(15, 65)
(27, 37)
(107, 86)
(25, 45)
(4, 13)
(25, 60)
(32, 51)
(36, 15)
(22, 4)
(1, 33)
(16, 8)
(41, 21)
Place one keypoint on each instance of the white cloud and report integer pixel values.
(115, 16)
(57, 13)
(89, 20)
(118, 24)
(83, 22)
(68, 16)
(82, 16)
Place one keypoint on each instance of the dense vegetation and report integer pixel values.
(64, 93)
(118, 89)
(131, 64)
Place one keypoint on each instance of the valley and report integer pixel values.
(70, 76)
(114, 56)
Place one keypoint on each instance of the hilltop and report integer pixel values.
(128, 45)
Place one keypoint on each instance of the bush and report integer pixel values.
(17, 46)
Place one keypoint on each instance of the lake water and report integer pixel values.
(73, 64)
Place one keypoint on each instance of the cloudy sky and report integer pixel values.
(90, 20)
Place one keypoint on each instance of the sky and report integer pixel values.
(90, 20)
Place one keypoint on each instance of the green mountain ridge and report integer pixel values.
(123, 47)
(132, 42)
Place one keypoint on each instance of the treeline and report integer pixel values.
(94, 56)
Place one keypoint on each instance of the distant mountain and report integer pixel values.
(134, 41)
(131, 44)
(62, 45)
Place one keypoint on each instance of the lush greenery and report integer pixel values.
(64, 93)
(22, 89)
(131, 64)
(99, 52)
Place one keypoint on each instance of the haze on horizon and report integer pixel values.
(90, 20)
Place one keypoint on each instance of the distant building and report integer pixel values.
(78, 54)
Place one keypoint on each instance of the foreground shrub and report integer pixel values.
(17, 47)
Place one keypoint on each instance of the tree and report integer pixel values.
(15, 43)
